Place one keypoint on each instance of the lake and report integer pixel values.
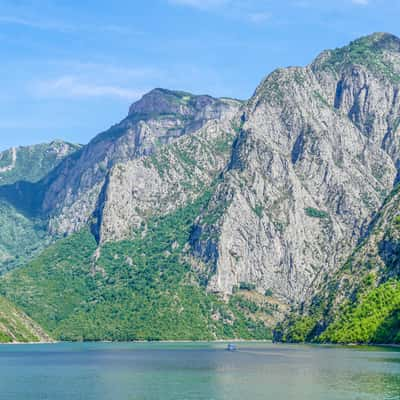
(174, 371)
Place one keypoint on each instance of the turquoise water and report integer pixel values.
(150, 371)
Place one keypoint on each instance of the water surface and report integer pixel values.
(184, 371)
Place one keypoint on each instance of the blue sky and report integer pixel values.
(70, 69)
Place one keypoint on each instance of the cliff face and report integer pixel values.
(360, 301)
(75, 191)
(314, 159)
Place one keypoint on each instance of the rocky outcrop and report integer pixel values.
(315, 157)
(172, 177)
(72, 191)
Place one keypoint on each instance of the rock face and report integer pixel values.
(74, 192)
(170, 178)
(315, 157)
(360, 302)
(301, 167)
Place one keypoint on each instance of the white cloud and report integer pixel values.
(70, 86)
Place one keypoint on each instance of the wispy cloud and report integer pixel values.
(360, 2)
(32, 23)
(71, 86)
(64, 27)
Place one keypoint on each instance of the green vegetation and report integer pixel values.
(258, 210)
(298, 329)
(138, 289)
(32, 163)
(374, 319)
(21, 234)
(321, 98)
(367, 51)
(247, 286)
(314, 213)
(15, 326)
(360, 303)
(20, 237)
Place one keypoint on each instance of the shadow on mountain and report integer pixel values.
(26, 197)
(389, 330)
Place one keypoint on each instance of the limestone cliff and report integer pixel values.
(316, 154)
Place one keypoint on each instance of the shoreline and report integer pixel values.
(217, 341)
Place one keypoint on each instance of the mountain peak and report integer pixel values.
(381, 40)
(378, 52)
(165, 101)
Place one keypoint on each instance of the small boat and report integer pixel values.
(231, 347)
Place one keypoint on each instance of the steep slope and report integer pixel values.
(72, 195)
(159, 184)
(315, 156)
(16, 327)
(22, 234)
(94, 286)
(137, 289)
(360, 303)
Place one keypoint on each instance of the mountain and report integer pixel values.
(32, 163)
(359, 303)
(16, 327)
(204, 218)
(21, 234)
(128, 201)
(315, 157)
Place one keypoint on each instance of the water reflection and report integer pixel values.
(197, 371)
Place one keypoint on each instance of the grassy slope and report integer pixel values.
(139, 289)
(15, 326)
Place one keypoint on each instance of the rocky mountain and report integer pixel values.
(360, 302)
(314, 159)
(74, 194)
(249, 207)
